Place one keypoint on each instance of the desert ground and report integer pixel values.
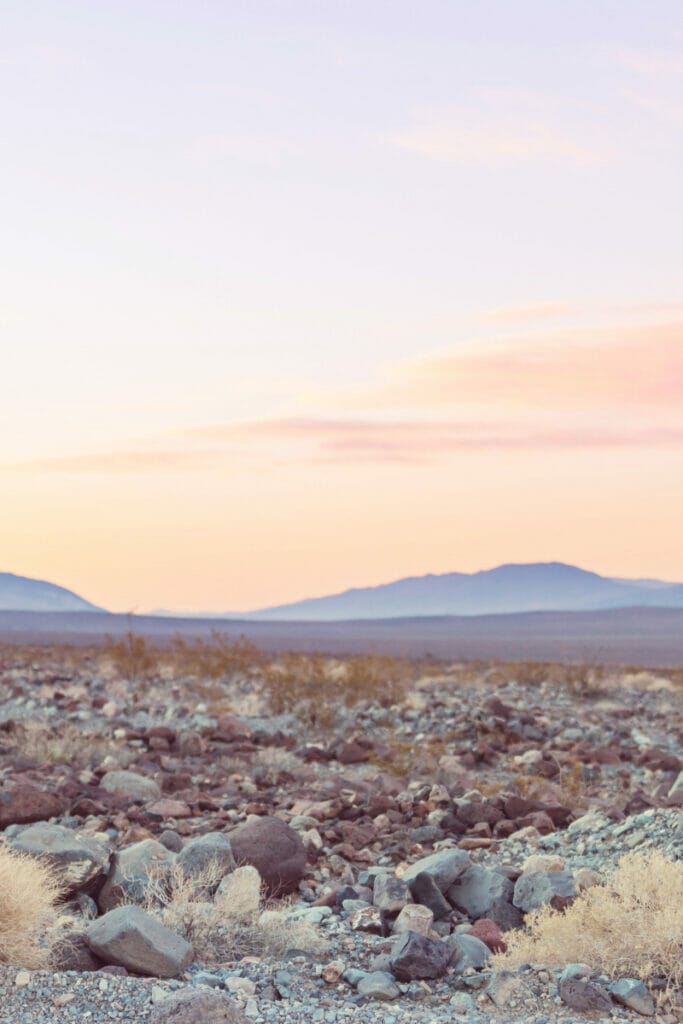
(201, 829)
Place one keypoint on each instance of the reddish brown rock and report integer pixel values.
(488, 931)
(23, 803)
(274, 849)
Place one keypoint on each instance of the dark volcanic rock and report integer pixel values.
(417, 956)
(274, 849)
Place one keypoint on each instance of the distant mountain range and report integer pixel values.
(508, 589)
(543, 586)
(19, 593)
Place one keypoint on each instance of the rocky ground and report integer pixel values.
(396, 845)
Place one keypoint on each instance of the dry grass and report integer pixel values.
(66, 744)
(630, 927)
(232, 925)
(29, 892)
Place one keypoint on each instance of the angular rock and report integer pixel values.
(23, 803)
(378, 985)
(274, 849)
(132, 871)
(414, 918)
(482, 892)
(194, 1005)
(504, 986)
(634, 994)
(136, 787)
(444, 867)
(390, 894)
(467, 951)
(489, 932)
(577, 991)
(210, 853)
(417, 956)
(79, 861)
(131, 938)
(425, 891)
(537, 888)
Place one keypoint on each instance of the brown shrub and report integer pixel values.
(630, 927)
(29, 892)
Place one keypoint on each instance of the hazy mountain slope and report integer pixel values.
(544, 586)
(19, 593)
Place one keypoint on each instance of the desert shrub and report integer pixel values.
(219, 657)
(302, 684)
(66, 744)
(234, 923)
(29, 892)
(134, 657)
(273, 764)
(316, 688)
(630, 927)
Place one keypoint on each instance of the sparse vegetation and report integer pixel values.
(630, 927)
(235, 923)
(29, 892)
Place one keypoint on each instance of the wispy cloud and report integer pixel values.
(653, 63)
(526, 314)
(572, 390)
(505, 128)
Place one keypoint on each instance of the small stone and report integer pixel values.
(414, 918)
(378, 985)
(634, 994)
(444, 867)
(138, 788)
(22, 979)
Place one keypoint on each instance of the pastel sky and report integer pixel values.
(299, 296)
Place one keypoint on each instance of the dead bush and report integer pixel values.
(67, 744)
(630, 927)
(29, 892)
(232, 925)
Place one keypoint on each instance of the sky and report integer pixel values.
(298, 296)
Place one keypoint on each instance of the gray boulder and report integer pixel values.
(131, 938)
(390, 894)
(79, 861)
(467, 951)
(418, 956)
(537, 888)
(444, 867)
(210, 853)
(133, 870)
(635, 995)
(482, 892)
(136, 787)
(378, 985)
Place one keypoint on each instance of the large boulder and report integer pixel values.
(482, 892)
(417, 956)
(131, 938)
(21, 803)
(390, 894)
(274, 849)
(191, 1005)
(535, 888)
(209, 855)
(137, 788)
(134, 871)
(443, 867)
(80, 862)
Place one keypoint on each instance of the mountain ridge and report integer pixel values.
(24, 593)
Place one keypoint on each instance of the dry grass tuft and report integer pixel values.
(66, 744)
(29, 892)
(630, 927)
(232, 925)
